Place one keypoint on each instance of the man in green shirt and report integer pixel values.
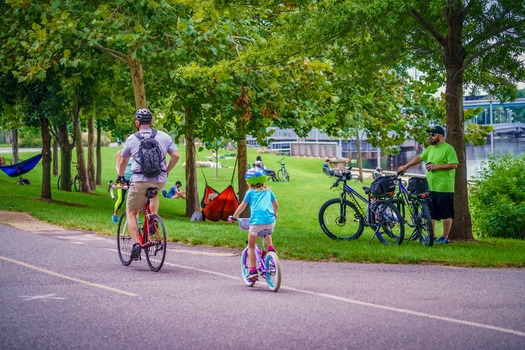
(441, 163)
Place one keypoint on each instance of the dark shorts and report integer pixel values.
(441, 205)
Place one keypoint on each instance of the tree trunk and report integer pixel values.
(81, 162)
(55, 157)
(359, 157)
(137, 77)
(454, 60)
(66, 148)
(98, 179)
(91, 152)
(242, 166)
(45, 193)
(14, 145)
(192, 191)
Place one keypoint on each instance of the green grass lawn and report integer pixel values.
(297, 235)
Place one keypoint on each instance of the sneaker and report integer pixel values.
(271, 249)
(443, 240)
(252, 276)
(114, 218)
(135, 252)
(165, 194)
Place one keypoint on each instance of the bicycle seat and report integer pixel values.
(151, 192)
(366, 189)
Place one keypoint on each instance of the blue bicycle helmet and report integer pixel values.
(255, 176)
(143, 116)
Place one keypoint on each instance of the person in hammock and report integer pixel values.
(263, 209)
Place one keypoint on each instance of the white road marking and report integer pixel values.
(96, 285)
(41, 297)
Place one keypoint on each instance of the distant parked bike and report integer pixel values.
(282, 174)
(75, 184)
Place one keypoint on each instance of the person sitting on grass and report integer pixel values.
(175, 191)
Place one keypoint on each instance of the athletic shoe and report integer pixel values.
(271, 249)
(114, 218)
(135, 252)
(443, 240)
(252, 276)
(165, 194)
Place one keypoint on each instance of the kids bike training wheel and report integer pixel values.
(124, 243)
(273, 276)
(390, 224)
(245, 268)
(156, 252)
(341, 220)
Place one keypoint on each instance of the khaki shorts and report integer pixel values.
(255, 230)
(137, 194)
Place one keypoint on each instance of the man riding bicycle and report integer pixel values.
(139, 182)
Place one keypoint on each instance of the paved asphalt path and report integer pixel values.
(68, 290)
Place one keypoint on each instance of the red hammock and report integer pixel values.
(222, 206)
(218, 206)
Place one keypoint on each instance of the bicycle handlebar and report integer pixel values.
(117, 186)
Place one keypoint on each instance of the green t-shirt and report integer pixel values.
(440, 180)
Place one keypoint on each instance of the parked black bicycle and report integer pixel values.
(282, 174)
(413, 204)
(344, 218)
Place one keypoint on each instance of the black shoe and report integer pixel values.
(135, 252)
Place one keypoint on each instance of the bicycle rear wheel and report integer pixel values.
(424, 228)
(341, 220)
(245, 267)
(273, 276)
(124, 243)
(156, 252)
(76, 183)
(390, 228)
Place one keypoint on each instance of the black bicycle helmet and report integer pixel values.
(143, 116)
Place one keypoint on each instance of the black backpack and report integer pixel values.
(418, 186)
(150, 155)
(382, 186)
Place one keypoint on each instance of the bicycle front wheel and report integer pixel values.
(280, 175)
(390, 228)
(156, 252)
(245, 267)
(340, 219)
(124, 243)
(273, 274)
(424, 228)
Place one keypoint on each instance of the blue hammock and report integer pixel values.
(21, 168)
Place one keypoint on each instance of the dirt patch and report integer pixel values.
(26, 222)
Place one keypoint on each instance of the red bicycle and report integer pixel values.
(152, 234)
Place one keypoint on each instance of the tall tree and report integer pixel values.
(456, 43)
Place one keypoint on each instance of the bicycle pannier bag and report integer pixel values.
(150, 155)
(418, 186)
(382, 186)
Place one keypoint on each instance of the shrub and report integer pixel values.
(497, 197)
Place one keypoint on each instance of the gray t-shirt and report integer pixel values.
(131, 149)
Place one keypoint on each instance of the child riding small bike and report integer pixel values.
(263, 208)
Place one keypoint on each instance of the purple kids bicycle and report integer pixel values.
(268, 265)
